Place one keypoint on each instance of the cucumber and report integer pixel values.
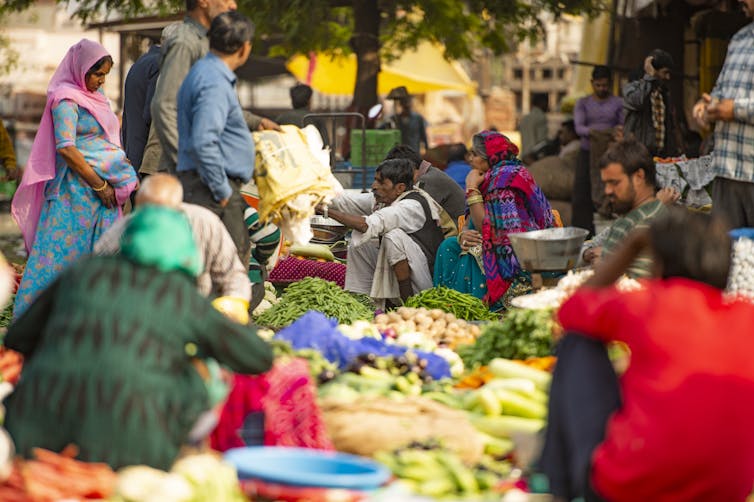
(312, 251)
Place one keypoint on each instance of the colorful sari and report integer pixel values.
(513, 202)
(59, 214)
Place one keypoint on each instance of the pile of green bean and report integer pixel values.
(317, 294)
(463, 306)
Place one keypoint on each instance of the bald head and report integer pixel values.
(160, 190)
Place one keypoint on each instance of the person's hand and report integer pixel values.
(321, 208)
(107, 196)
(699, 111)
(648, 68)
(469, 238)
(224, 202)
(668, 195)
(474, 179)
(618, 133)
(592, 255)
(269, 125)
(720, 110)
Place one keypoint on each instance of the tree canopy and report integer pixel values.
(374, 29)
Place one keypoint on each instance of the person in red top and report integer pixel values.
(677, 426)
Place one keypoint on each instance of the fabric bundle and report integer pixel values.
(292, 178)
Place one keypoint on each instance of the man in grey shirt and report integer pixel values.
(183, 44)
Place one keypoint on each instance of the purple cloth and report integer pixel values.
(314, 330)
(591, 113)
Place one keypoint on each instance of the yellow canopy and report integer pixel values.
(421, 70)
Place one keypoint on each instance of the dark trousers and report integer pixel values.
(583, 395)
(196, 192)
(581, 198)
(734, 201)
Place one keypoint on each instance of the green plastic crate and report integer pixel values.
(378, 143)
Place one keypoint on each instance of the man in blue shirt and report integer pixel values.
(458, 168)
(215, 147)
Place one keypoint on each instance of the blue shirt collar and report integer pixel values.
(223, 68)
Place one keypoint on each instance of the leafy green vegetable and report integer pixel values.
(521, 334)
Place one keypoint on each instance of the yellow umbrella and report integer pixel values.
(421, 70)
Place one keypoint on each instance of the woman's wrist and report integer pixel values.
(474, 199)
(100, 188)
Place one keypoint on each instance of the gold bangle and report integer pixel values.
(474, 199)
(104, 185)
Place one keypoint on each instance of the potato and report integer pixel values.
(436, 313)
(440, 325)
(382, 319)
(406, 313)
(450, 317)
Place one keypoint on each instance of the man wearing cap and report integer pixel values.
(412, 125)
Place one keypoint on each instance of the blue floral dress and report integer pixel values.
(72, 217)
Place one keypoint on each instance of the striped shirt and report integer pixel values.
(617, 232)
(264, 242)
(223, 273)
(734, 141)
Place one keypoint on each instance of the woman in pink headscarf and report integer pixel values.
(77, 176)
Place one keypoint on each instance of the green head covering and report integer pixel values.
(161, 237)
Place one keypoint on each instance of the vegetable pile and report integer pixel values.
(521, 334)
(434, 471)
(741, 275)
(194, 478)
(463, 306)
(317, 294)
(443, 328)
(11, 363)
(52, 477)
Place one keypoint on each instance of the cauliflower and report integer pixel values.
(454, 361)
(263, 306)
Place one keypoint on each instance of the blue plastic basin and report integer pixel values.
(307, 467)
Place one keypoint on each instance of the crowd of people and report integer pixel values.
(114, 310)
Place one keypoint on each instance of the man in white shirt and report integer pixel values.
(396, 235)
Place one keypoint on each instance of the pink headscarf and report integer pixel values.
(68, 82)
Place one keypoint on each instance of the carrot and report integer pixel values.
(10, 494)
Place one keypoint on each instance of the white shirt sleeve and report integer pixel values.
(361, 203)
(406, 214)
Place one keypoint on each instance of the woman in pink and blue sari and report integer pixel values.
(77, 176)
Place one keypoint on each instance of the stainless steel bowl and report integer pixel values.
(327, 230)
(552, 249)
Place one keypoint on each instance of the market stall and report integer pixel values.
(438, 399)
